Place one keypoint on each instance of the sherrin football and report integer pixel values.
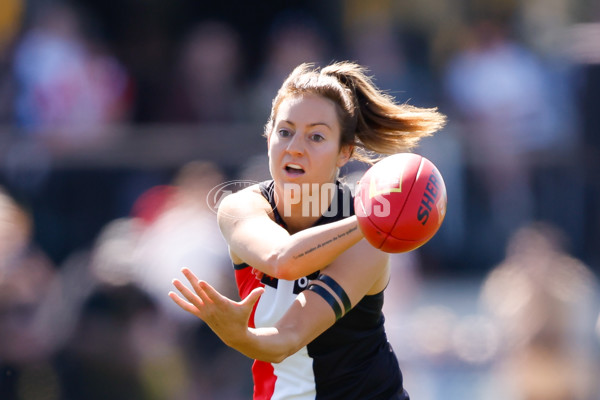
(400, 202)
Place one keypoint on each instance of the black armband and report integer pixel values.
(338, 290)
(328, 297)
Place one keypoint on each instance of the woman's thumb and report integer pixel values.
(253, 297)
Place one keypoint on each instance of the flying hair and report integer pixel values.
(370, 119)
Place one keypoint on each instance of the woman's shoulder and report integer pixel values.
(246, 194)
(244, 201)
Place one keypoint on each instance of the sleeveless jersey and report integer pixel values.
(351, 360)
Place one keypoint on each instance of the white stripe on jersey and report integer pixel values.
(295, 376)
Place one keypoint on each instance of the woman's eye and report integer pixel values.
(317, 137)
(284, 133)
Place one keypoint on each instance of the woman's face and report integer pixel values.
(304, 145)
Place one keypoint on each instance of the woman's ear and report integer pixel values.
(344, 155)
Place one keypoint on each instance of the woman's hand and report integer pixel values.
(227, 318)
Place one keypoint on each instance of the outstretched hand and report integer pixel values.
(227, 318)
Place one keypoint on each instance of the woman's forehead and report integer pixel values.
(307, 107)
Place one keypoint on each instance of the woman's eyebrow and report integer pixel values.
(311, 124)
(320, 123)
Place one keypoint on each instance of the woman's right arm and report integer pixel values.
(254, 238)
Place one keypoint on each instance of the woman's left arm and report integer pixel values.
(359, 271)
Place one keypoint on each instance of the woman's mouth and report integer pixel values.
(294, 169)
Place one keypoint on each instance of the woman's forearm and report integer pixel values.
(313, 249)
(264, 344)
(286, 336)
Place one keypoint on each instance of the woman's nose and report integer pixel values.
(295, 145)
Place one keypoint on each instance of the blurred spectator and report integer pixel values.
(179, 229)
(293, 38)
(25, 277)
(69, 88)
(581, 44)
(255, 168)
(11, 12)
(122, 347)
(545, 301)
(501, 99)
(70, 92)
(598, 328)
(380, 44)
(542, 23)
(182, 232)
(207, 83)
(171, 227)
(128, 341)
(375, 44)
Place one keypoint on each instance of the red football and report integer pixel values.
(400, 202)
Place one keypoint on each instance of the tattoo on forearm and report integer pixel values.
(325, 243)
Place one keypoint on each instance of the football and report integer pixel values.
(400, 202)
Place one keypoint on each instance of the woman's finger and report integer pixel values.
(253, 297)
(190, 275)
(212, 295)
(184, 304)
(258, 274)
(193, 279)
(200, 290)
(188, 294)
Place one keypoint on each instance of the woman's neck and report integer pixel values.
(301, 210)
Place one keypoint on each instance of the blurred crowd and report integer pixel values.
(503, 302)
